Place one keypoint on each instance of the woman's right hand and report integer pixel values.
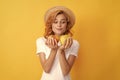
(51, 43)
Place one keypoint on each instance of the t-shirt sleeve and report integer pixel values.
(40, 46)
(75, 48)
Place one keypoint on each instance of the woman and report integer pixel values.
(56, 58)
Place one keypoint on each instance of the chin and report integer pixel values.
(58, 33)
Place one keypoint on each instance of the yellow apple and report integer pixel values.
(55, 37)
(63, 38)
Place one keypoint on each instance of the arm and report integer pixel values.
(66, 65)
(47, 63)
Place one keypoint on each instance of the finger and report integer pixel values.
(70, 42)
(56, 45)
(46, 42)
(52, 42)
(49, 41)
(66, 43)
(55, 41)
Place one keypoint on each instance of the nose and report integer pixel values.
(59, 24)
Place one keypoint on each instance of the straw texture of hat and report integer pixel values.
(64, 9)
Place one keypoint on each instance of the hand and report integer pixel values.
(67, 44)
(51, 43)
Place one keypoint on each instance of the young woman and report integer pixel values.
(57, 59)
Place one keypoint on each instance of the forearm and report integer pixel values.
(64, 63)
(49, 62)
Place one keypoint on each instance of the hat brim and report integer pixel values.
(64, 9)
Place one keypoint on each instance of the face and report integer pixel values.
(59, 25)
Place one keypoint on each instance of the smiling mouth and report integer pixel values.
(59, 29)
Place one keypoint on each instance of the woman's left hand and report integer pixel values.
(67, 44)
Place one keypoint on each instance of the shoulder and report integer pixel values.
(41, 39)
(74, 47)
(75, 42)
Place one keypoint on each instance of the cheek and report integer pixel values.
(65, 26)
(53, 28)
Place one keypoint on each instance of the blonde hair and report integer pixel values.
(50, 20)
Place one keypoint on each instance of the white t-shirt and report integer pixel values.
(56, 72)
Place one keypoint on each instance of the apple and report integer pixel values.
(55, 37)
(63, 38)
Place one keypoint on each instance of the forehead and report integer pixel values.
(61, 16)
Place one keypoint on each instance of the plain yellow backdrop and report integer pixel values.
(97, 29)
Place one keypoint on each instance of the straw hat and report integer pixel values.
(64, 9)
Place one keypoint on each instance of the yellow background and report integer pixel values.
(97, 29)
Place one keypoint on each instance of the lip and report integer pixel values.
(59, 28)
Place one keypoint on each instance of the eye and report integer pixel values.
(63, 22)
(55, 22)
